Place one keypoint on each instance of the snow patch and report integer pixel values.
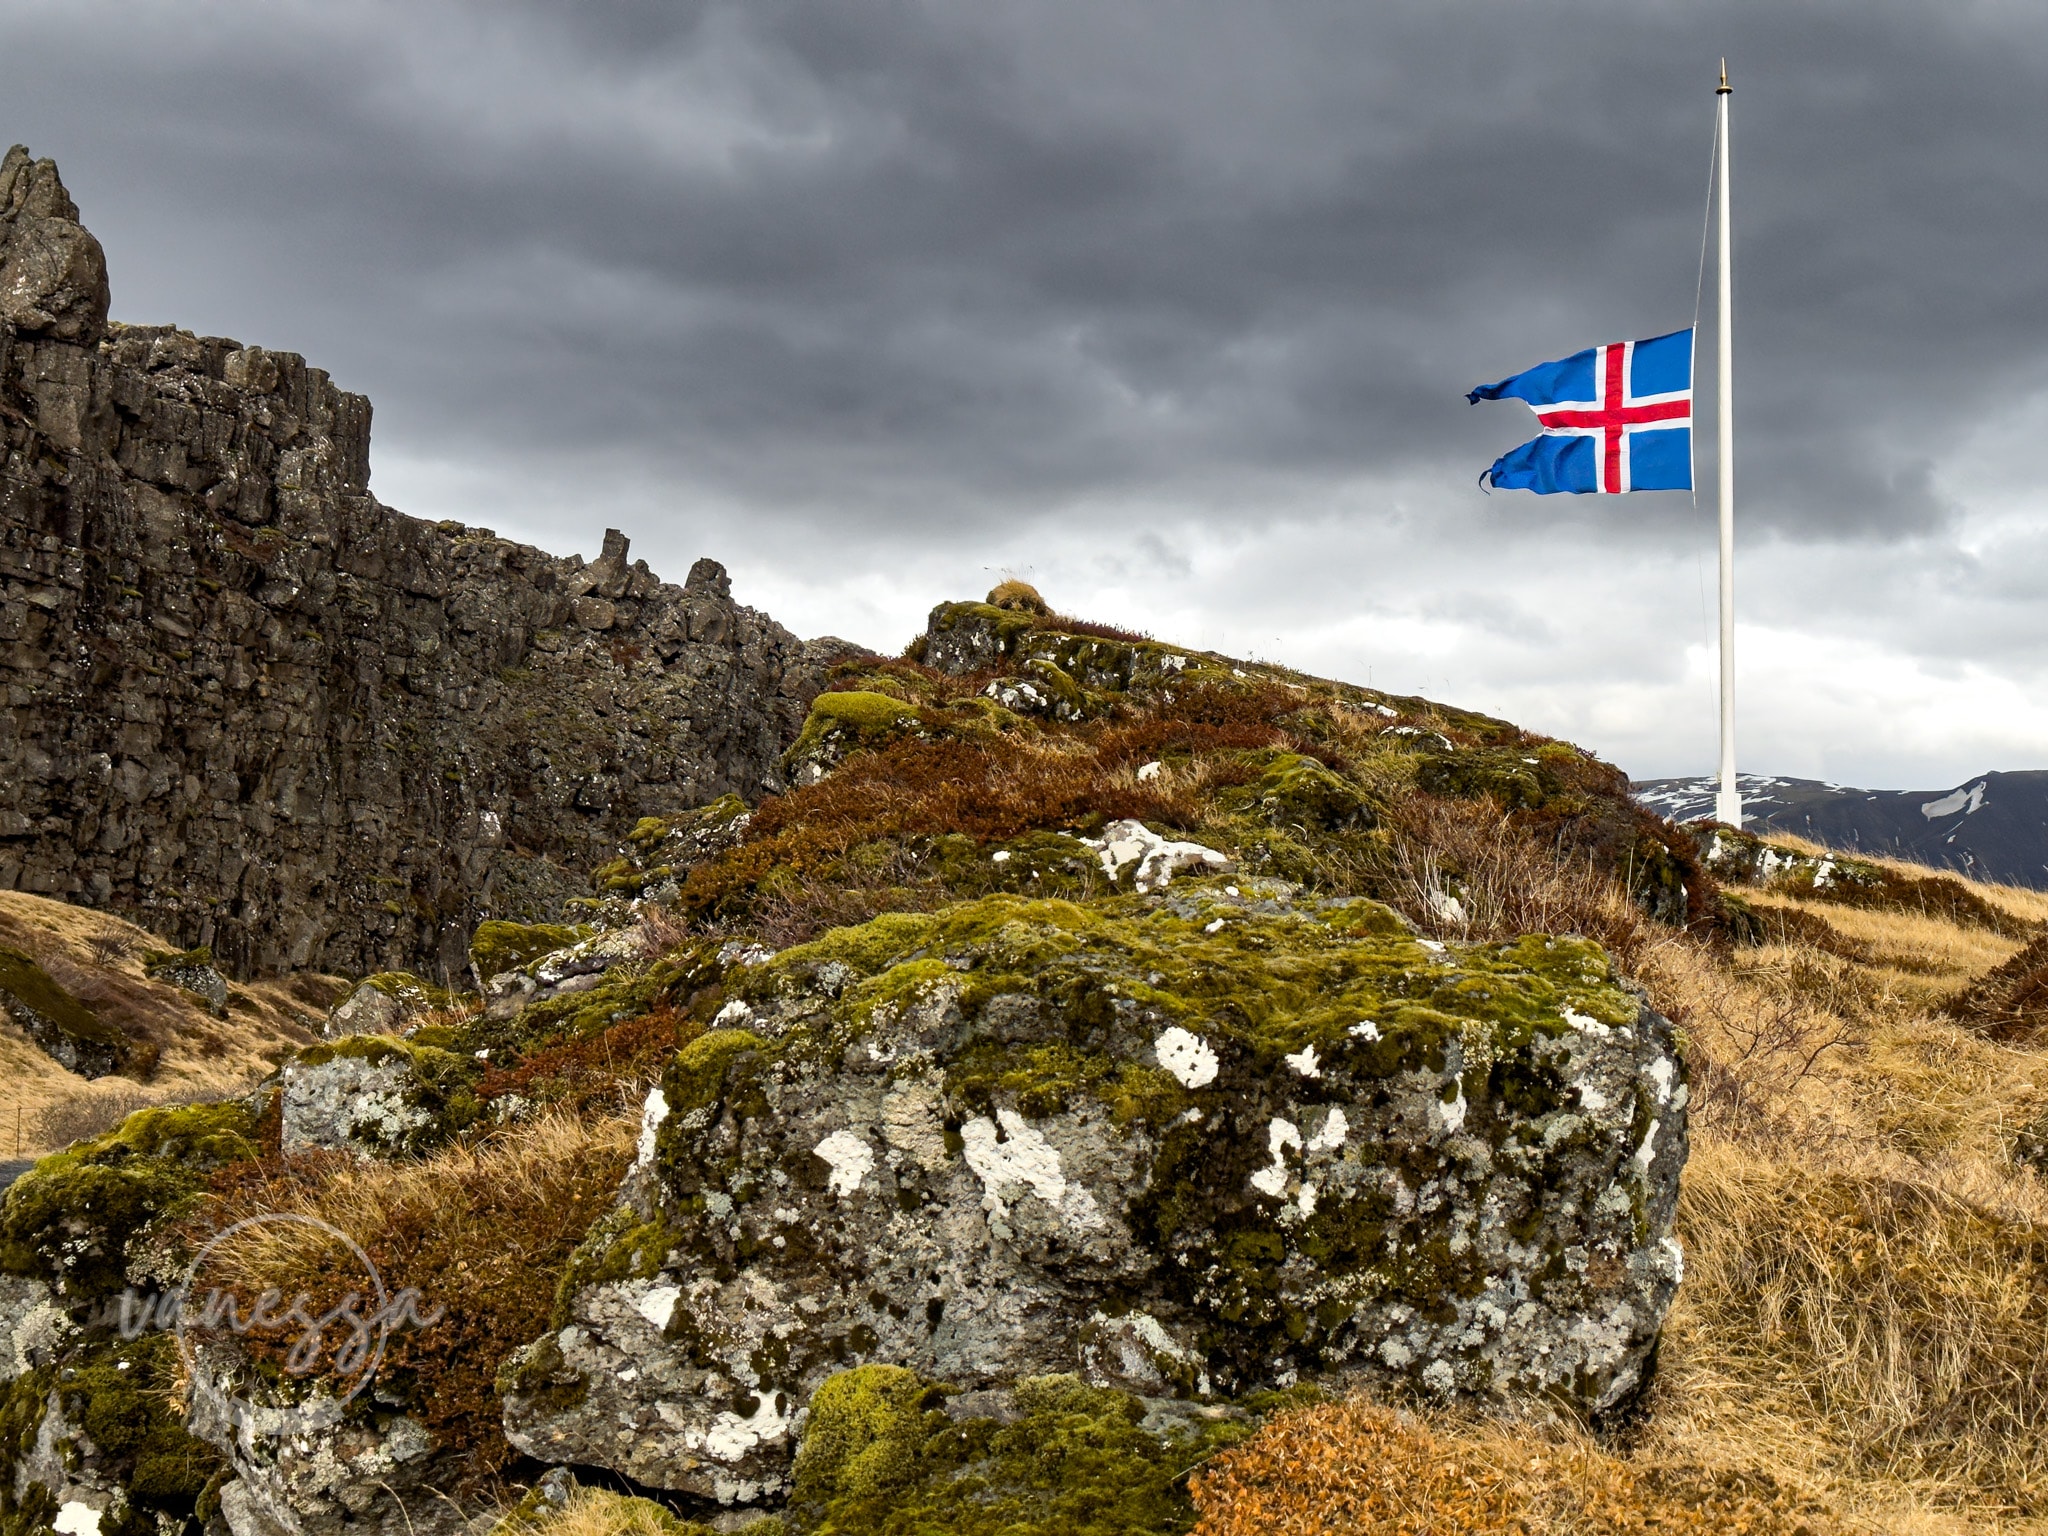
(77, 1519)
(1364, 1029)
(1969, 801)
(1158, 859)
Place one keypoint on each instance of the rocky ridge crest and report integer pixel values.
(247, 705)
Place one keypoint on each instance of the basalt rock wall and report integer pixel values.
(247, 705)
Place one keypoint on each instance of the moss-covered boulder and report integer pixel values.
(71, 1033)
(661, 850)
(498, 946)
(842, 722)
(384, 1004)
(886, 1450)
(376, 1096)
(73, 1219)
(96, 1446)
(191, 971)
(1193, 1145)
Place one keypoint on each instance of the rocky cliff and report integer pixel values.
(248, 705)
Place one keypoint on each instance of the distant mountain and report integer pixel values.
(1992, 827)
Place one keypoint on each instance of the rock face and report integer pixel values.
(1189, 1144)
(249, 706)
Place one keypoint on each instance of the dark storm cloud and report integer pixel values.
(921, 264)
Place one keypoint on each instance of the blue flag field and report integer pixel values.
(1615, 418)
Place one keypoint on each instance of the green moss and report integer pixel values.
(71, 1217)
(846, 721)
(867, 1430)
(696, 1073)
(879, 1458)
(498, 945)
(119, 1393)
(155, 960)
(416, 995)
(620, 1246)
(1297, 791)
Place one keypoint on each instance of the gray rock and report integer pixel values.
(373, 1096)
(369, 1010)
(53, 275)
(1020, 1139)
(250, 707)
(304, 1467)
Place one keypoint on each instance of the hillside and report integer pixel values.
(1991, 827)
(1002, 844)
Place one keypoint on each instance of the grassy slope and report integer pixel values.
(98, 959)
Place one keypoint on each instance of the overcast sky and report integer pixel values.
(1168, 306)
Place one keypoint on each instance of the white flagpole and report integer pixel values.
(1728, 804)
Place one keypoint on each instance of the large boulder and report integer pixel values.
(1190, 1145)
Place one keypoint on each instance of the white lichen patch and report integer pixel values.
(1453, 1113)
(659, 1304)
(1304, 1062)
(734, 1015)
(1187, 1056)
(732, 1436)
(850, 1158)
(652, 1113)
(1660, 1074)
(1280, 1135)
(1158, 859)
(1016, 1159)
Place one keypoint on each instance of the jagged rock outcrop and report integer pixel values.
(246, 704)
(1195, 1144)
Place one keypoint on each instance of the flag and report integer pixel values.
(1615, 418)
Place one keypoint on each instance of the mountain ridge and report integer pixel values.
(1992, 826)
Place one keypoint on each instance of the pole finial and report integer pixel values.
(1724, 88)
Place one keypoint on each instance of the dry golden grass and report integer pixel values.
(98, 959)
(1358, 1469)
(598, 1512)
(482, 1229)
(1864, 1323)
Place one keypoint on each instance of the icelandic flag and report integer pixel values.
(1615, 418)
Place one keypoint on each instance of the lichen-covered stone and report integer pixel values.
(375, 1096)
(844, 722)
(191, 971)
(1188, 1146)
(304, 1464)
(93, 1434)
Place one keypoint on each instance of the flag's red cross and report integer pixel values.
(1613, 415)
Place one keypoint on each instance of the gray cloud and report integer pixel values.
(839, 287)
